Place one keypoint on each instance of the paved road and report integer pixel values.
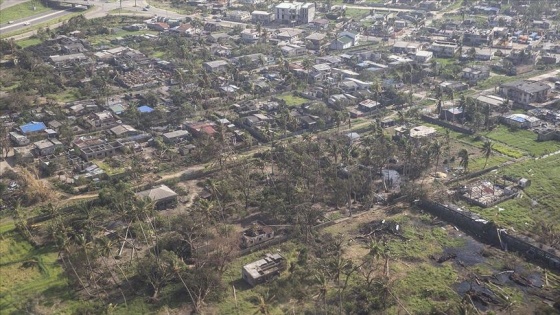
(33, 20)
(8, 3)
(100, 8)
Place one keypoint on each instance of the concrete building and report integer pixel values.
(444, 50)
(475, 73)
(256, 234)
(215, 66)
(525, 92)
(47, 147)
(262, 17)
(175, 136)
(162, 195)
(521, 121)
(295, 12)
(264, 269)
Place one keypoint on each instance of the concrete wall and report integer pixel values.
(447, 124)
(490, 233)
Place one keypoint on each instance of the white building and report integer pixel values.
(295, 12)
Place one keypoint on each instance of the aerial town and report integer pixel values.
(269, 157)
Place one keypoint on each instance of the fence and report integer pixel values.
(490, 233)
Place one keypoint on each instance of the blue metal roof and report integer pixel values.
(145, 109)
(32, 127)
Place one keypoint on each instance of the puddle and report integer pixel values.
(469, 254)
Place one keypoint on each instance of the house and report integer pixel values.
(289, 34)
(32, 128)
(475, 73)
(319, 24)
(521, 121)
(525, 91)
(368, 106)
(101, 120)
(249, 36)
(293, 50)
(444, 49)
(477, 37)
(238, 16)
(201, 128)
(264, 269)
(163, 196)
(295, 12)
(340, 43)
(315, 41)
(417, 132)
(423, 56)
(355, 36)
(490, 100)
(19, 139)
(452, 114)
(175, 136)
(47, 147)
(262, 17)
(483, 54)
(256, 234)
(91, 148)
(401, 47)
(158, 26)
(215, 66)
(123, 131)
(185, 29)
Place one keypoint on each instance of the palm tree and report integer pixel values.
(264, 304)
(436, 151)
(487, 151)
(464, 156)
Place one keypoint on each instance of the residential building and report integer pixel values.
(521, 121)
(423, 56)
(340, 43)
(175, 136)
(315, 41)
(249, 36)
(401, 47)
(238, 16)
(452, 114)
(256, 234)
(293, 50)
(368, 106)
(444, 49)
(215, 66)
(295, 12)
(262, 17)
(122, 131)
(475, 73)
(91, 148)
(47, 147)
(264, 269)
(32, 128)
(19, 139)
(101, 120)
(163, 196)
(478, 37)
(525, 92)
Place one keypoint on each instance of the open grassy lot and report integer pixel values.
(523, 139)
(540, 200)
(26, 272)
(292, 100)
(24, 43)
(106, 38)
(23, 10)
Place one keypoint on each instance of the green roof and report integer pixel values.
(344, 39)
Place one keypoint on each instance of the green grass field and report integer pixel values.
(524, 140)
(21, 11)
(292, 100)
(26, 272)
(540, 200)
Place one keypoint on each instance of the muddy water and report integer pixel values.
(470, 254)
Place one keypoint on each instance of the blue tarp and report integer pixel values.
(145, 109)
(33, 127)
